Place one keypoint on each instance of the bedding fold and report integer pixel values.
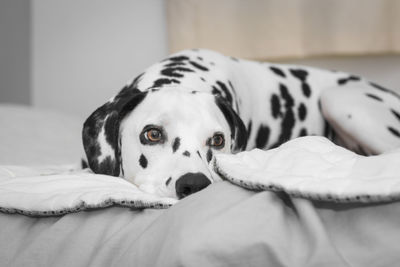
(50, 191)
(309, 167)
(315, 168)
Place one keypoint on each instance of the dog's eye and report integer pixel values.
(217, 141)
(153, 135)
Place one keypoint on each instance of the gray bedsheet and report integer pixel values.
(223, 225)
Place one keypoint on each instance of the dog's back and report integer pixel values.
(279, 102)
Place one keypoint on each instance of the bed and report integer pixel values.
(231, 223)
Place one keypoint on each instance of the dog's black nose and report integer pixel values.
(190, 183)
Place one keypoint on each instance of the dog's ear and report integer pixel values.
(100, 134)
(238, 130)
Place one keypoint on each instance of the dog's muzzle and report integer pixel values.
(190, 183)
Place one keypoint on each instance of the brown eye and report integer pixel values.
(217, 140)
(154, 135)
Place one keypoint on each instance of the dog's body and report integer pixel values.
(198, 95)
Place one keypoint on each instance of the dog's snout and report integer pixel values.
(190, 183)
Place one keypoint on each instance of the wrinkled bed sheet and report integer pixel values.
(223, 225)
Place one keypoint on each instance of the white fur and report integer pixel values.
(192, 117)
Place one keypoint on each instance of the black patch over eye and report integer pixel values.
(152, 135)
(217, 141)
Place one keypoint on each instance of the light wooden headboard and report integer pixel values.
(273, 29)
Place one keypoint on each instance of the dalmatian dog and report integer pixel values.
(162, 130)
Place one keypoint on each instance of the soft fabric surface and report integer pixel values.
(309, 167)
(49, 191)
(315, 168)
(223, 225)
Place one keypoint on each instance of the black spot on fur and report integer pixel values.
(201, 78)
(394, 131)
(198, 66)
(302, 111)
(163, 81)
(209, 155)
(227, 94)
(215, 91)
(176, 144)
(262, 136)
(186, 153)
(198, 153)
(143, 161)
(302, 76)
(343, 81)
(278, 71)
(303, 132)
(168, 181)
(299, 74)
(305, 87)
(276, 106)
(288, 120)
(289, 101)
(234, 59)
(175, 64)
(383, 89)
(374, 97)
(178, 58)
(175, 72)
(396, 114)
(200, 58)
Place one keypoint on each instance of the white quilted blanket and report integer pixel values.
(57, 190)
(315, 168)
(309, 167)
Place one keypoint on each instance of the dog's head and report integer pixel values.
(162, 140)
